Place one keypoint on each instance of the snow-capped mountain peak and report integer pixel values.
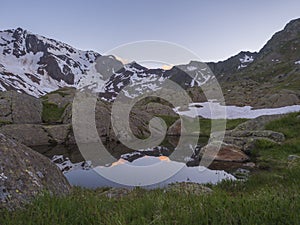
(36, 65)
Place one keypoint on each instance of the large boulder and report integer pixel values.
(27, 134)
(246, 134)
(258, 123)
(227, 153)
(247, 139)
(268, 134)
(155, 108)
(58, 134)
(223, 153)
(25, 173)
(19, 108)
(37, 134)
(138, 121)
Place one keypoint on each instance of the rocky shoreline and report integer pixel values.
(25, 173)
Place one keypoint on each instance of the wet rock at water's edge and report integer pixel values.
(219, 152)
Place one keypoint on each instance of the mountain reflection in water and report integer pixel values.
(130, 167)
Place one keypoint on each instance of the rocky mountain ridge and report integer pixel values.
(37, 65)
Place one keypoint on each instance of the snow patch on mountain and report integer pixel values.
(198, 79)
(139, 82)
(245, 61)
(191, 68)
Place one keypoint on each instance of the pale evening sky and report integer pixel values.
(214, 30)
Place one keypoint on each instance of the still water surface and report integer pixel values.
(133, 168)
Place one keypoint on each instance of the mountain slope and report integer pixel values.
(225, 69)
(37, 65)
(273, 78)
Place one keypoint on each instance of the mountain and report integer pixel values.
(36, 65)
(225, 69)
(273, 77)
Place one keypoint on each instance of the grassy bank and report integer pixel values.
(271, 195)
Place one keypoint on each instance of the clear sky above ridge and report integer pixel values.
(214, 30)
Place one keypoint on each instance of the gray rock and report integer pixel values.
(158, 109)
(20, 108)
(27, 134)
(102, 117)
(226, 153)
(61, 97)
(36, 134)
(5, 110)
(249, 165)
(67, 115)
(293, 157)
(25, 174)
(175, 128)
(138, 121)
(275, 136)
(247, 144)
(246, 134)
(245, 137)
(257, 123)
(281, 99)
(58, 133)
(218, 151)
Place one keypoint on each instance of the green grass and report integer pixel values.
(231, 203)
(52, 113)
(275, 156)
(169, 120)
(205, 124)
(289, 126)
(270, 196)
